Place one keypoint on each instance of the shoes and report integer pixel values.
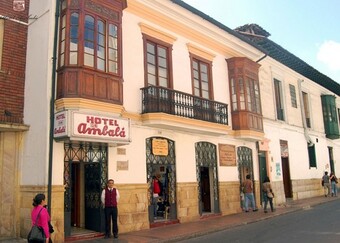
(246, 211)
(273, 210)
(255, 210)
(107, 236)
(115, 236)
(325, 195)
(265, 211)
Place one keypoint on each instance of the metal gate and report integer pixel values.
(245, 165)
(169, 163)
(90, 178)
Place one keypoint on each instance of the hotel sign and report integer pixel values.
(91, 127)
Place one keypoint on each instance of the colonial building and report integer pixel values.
(134, 89)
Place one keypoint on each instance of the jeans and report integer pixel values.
(334, 189)
(249, 197)
(111, 213)
(266, 199)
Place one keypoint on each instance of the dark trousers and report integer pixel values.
(111, 213)
(270, 199)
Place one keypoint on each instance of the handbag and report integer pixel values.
(36, 233)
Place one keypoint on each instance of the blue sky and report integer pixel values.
(310, 29)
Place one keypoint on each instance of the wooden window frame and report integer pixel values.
(292, 92)
(209, 76)
(279, 105)
(82, 12)
(158, 44)
(306, 109)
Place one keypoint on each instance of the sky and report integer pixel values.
(309, 29)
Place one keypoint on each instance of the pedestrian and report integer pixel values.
(110, 197)
(326, 185)
(249, 194)
(268, 194)
(334, 181)
(156, 190)
(39, 214)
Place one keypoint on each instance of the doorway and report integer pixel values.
(287, 184)
(205, 190)
(161, 163)
(245, 167)
(85, 175)
(207, 177)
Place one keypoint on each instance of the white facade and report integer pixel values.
(187, 33)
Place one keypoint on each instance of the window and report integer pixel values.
(311, 155)
(279, 100)
(201, 78)
(158, 65)
(330, 116)
(98, 36)
(293, 95)
(306, 109)
(1, 38)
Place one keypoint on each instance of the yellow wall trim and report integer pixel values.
(200, 52)
(146, 29)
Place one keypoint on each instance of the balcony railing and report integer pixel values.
(159, 99)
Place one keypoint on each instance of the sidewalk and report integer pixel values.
(177, 232)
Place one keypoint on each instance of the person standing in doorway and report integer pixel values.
(110, 197)
(249, 194)
(268, 194)
(334, 181)
(326, 185)
(156, 190)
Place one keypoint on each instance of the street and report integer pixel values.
(315, 224)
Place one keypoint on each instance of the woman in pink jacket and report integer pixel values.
(39, 203)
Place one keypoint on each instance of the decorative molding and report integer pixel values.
(151, 31)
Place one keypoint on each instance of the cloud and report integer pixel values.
(329, 53)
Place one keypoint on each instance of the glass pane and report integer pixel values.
(100, 26)
(151, 59)
(205, 86)
(74, 44)
(151, 79)
(89, 47)
(150, 48)
(151, 69)
(73, 57)
(163, 82)
(100, 64)
(204, 68)
(62, 57)
(113, 30)
(113, 67)
(112, 42)
(101, 52)
(63, 31)
(89, 35)
(195, 74)
(162, 52)
(195, 65)
(205, 94)
(89, 22)
(162, 72)
(63, 21)
(74, 32)
(196, 92)
(62, 46)
(89, 60)
(74, 18)
(101, 40)
(112, 54)
(162, 62)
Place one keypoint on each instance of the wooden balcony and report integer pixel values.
(163, 100)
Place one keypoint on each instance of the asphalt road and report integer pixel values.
(317, 224)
